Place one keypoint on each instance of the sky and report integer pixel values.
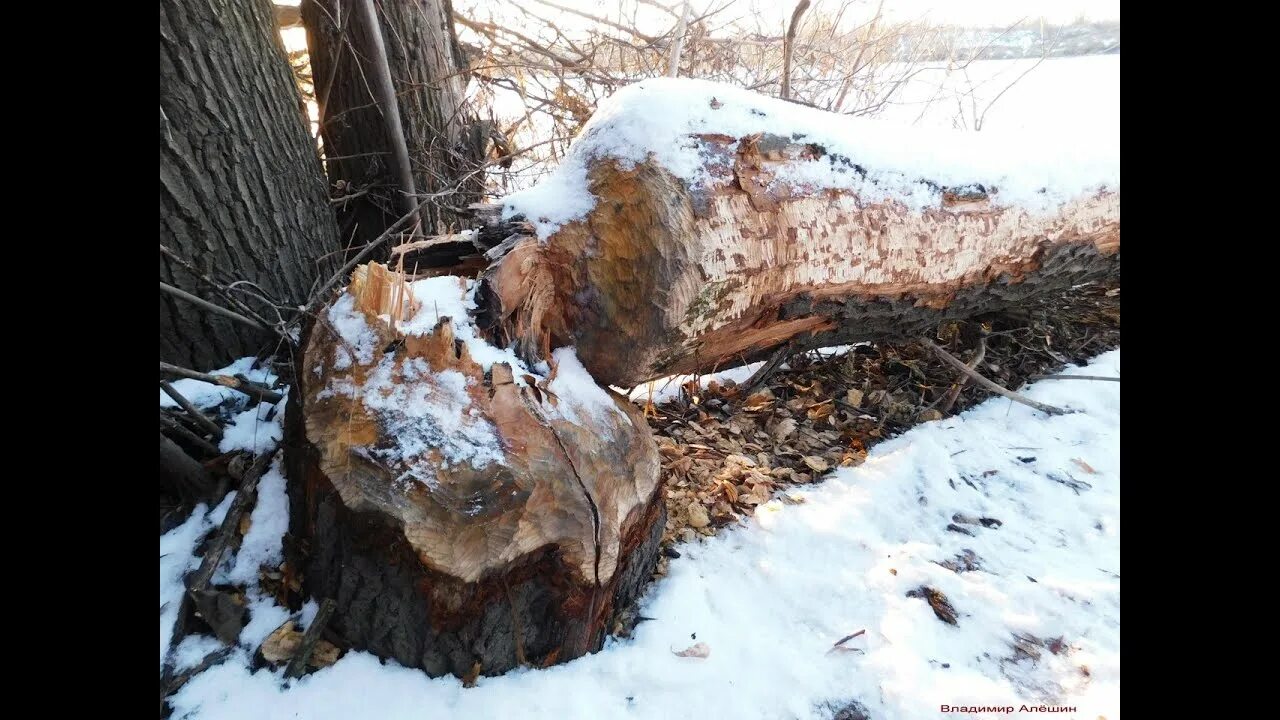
(997, 12)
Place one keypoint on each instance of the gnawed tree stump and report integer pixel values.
(463, 518)
(748, 241)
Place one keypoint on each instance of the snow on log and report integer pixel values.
(695, 224)
(467, 512)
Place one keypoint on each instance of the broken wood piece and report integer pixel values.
(192, 411)
(309, 639)
(230, 526)
(187, 476)
(170, 423)
(252, 389)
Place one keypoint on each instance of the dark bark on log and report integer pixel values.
(242, 193)
(183, 473)
(426, 68)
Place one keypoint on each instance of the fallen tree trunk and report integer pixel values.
(776, 238)
(468, 514)
(473, 499)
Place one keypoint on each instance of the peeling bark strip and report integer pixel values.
(442, 561)
(660, 280)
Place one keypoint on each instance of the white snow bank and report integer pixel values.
(771, 599)
(658, 118)
(206, 395)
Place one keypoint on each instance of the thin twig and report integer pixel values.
(172, 686)
(309, 639)
(225, 292)
(984, 382)
(788, 47)
(192, 410)
(964, 379)
(252, 389)
(173, 426)
(217, 309)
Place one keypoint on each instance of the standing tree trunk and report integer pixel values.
(425, 62)
(241, 188)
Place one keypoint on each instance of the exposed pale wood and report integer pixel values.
(442, 563)
(659, 280)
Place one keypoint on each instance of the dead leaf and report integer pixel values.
(700, 650)
(816, 463)
(783, 429)
(1084, 466)
(698, 517)
(282, 643)
(323, 654)
(821, 411)
(941, 605)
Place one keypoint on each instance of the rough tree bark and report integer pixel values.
(242, 195)
(464, 521)
(658, 280)
(426, 67)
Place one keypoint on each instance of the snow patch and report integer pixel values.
(267, 526)
(424, 416)
(658, 118)
(177, 558)
(772, 598)
(258, 429)
(208, 395)
(578, 394)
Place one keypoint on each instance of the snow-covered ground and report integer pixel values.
(771, 599)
